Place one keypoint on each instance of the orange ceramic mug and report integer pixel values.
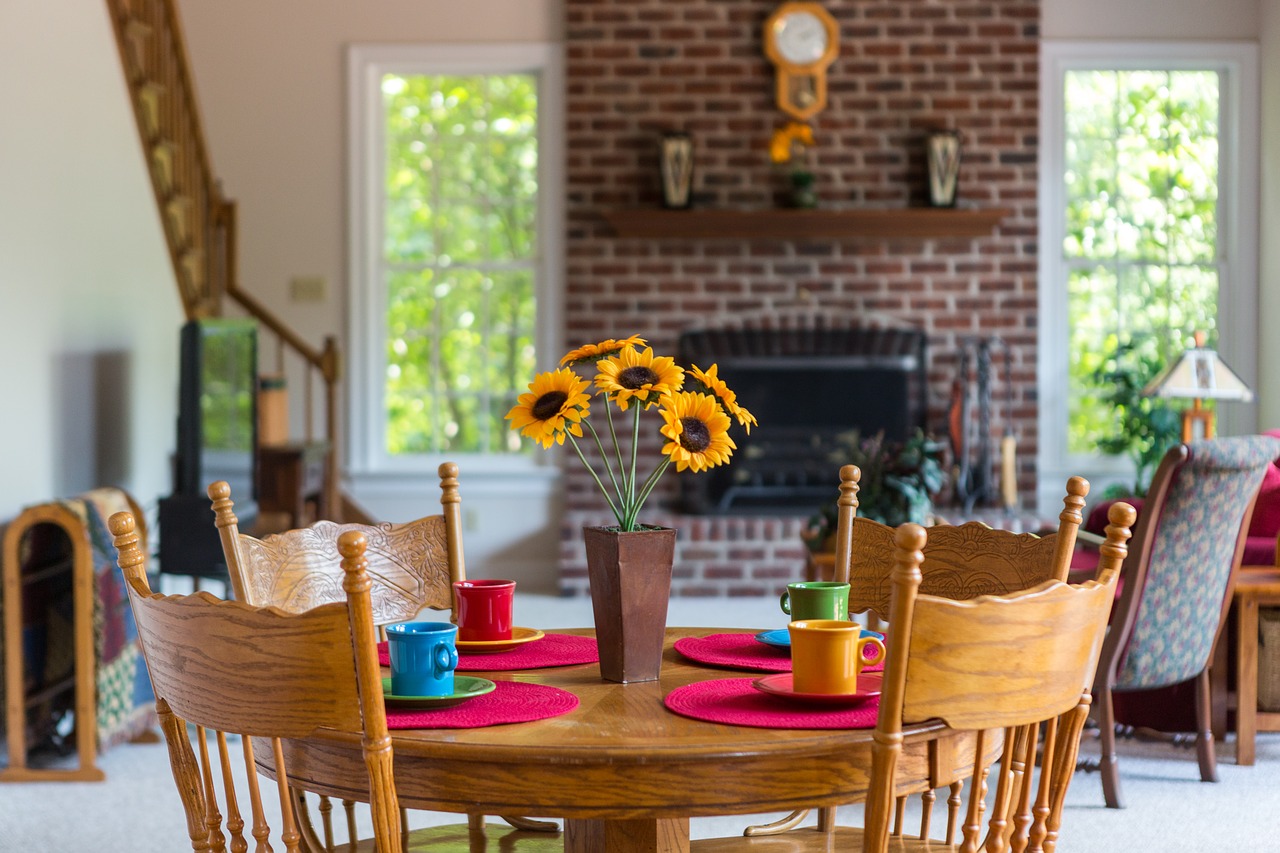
(485, 609)
(828, 654)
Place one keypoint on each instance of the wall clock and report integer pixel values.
(801, 39)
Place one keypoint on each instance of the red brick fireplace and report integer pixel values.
(637, 68)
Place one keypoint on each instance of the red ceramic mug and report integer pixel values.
(484, 609)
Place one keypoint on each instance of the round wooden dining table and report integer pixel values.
(623, 772)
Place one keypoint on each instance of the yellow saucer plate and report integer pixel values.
(519, 636)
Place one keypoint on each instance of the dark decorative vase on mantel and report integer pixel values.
(630, 575)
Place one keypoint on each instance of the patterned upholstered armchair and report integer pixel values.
(1177, 583)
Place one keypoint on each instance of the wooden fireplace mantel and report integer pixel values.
(790, 224)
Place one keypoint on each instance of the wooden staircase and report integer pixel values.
(199, 222)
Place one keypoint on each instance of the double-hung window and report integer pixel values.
(456, 249)
(1148, 198)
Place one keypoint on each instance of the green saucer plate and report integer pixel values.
(464, 687)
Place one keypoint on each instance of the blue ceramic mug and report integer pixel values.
(423, 658)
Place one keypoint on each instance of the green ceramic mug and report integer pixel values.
(816, 600)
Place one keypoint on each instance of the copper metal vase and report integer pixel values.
(630, 576)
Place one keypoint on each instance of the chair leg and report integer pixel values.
(1204, 735)
(1108, 764)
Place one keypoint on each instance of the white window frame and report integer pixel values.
(1239, 105)
(366, 411)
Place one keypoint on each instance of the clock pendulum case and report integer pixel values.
(801, 39)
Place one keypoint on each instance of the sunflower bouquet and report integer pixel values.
(629, 377)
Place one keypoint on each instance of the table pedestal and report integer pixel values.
(626, 836)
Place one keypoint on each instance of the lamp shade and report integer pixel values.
(1199, 373)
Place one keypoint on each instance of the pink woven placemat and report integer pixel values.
(510, 702)
(742, 651)
(736, 702)
(551, 650)
(736, 651)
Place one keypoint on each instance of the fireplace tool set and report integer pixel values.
(969, 420)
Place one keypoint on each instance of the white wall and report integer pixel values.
(91, 312)
(1269, 224)
(1127, 20)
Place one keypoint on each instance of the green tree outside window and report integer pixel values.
(1141, 244)
(459, 258)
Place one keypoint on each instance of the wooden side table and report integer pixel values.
(291, 476)
(1256, 586)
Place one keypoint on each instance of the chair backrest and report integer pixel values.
(1183, 560)
(231, 668)
(996, 665)
(960, 562)
(411, 565)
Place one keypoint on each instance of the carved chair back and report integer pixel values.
(233, 668)
(1025, 664)
(411, 565)
(960, 562)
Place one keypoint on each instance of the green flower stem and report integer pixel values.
(633, 506)
(608, 465)
(648, 487)
(612, 507)
(617, 452)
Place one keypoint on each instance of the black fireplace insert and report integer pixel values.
(806, 388)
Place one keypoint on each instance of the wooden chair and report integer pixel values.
(960, 563)
(1020, 680)
(1177, 584)
(411, 567)
(232, 668)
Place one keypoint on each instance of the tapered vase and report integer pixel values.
(630, 575)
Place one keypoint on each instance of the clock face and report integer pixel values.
(800, 37)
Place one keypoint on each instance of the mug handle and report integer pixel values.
(862, 645)
(785, 603)
(446, 659)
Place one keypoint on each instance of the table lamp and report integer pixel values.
(1200, 375)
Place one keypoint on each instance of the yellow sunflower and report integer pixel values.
(594, 352)
(787, 138)
(716, 386)
(639, 374)
(556, 402)
(698, 429)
